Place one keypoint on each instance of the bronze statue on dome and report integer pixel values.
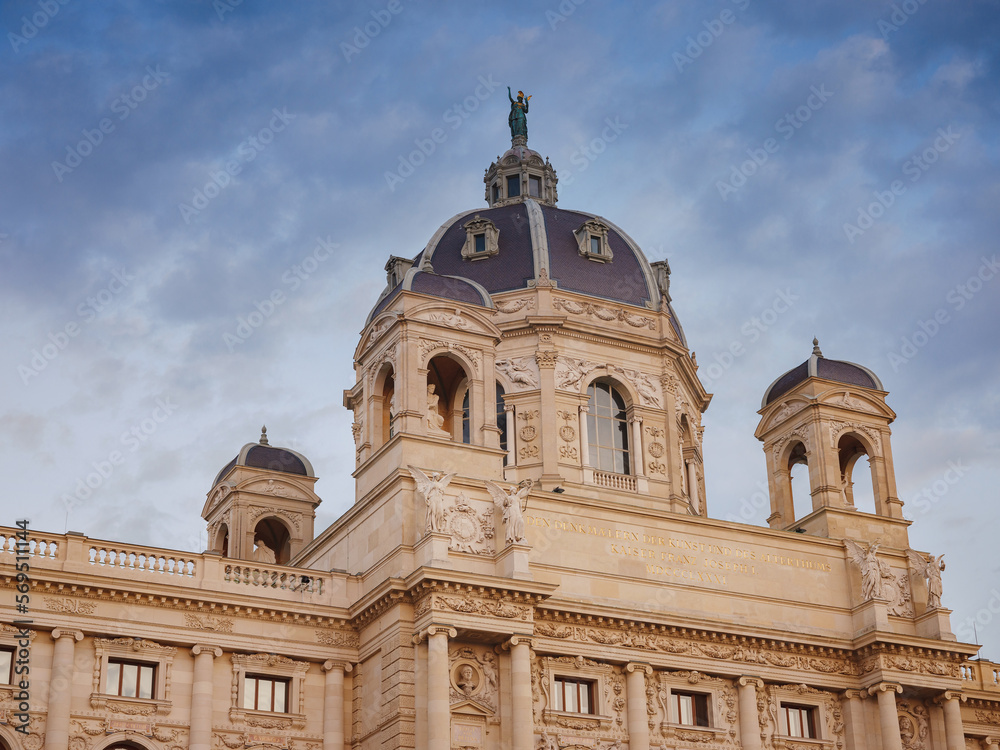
(518, 119)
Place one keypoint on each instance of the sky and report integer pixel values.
(199, 199)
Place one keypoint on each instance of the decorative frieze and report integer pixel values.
(521, 372)
(605, 314)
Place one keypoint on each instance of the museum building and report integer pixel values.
(530, 562)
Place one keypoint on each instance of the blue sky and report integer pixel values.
(842, 154)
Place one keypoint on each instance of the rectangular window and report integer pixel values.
(262, 693)
(496, 192)
(535, 186)
(801, 721)
(130, 679)
(480, 243)
(513, 186)
(574, 696)
(7, 666)
(595, 245)
(691, 709)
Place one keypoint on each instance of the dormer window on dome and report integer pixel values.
(592, 239)
(482, 239)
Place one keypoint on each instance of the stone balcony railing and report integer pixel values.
(78, 554)
(978, 674)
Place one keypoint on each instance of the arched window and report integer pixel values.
(856, 476)
(502, 422)
(272, 540)
(449, 404)
(466, 434)
(607, 425)
(798, 482)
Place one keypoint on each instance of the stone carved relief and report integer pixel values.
(570, 372)
(474, 676)
(471, 531)
(528, 433)
(607, 314)
(515, 305)
(567, 434)
(293, 518)
(790, 408)
(337, 638)
(209, 622)
(489, 607)
(630, 639)
(220, 493)
(800, 434)
(386, 356)
(839, 428)
(432, 488)
(70, 606)
(451, 320)
(521, 372)
(914, 724)
(644, 385)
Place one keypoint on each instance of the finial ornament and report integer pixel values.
(263, 435)
(816, 350)
(517, 119)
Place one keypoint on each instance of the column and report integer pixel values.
(749, 718)
(640, 469)
(520, 688)
(854, 718)
(635, 692)
(333, 705)
(584, 436)
(508, 413)
(888, 716)
(201, 696)
(953, 730)
(438, 687)
(60, 688)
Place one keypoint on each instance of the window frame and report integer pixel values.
(513, 179)
(806, 711)
(273, 680)
(8, 679)
(619, 427)
(132, 651)
(534, 180)
(698, 700)
(590, 230)
(583, 687)
(480, 227)
(270, 667)
(140, 667)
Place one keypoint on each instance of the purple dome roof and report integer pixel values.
(818, 366)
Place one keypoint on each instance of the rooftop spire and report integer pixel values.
(263, 435)
(816, 350)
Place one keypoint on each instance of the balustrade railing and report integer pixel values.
(615, 481)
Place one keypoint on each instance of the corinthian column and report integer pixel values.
(201, 696)
(60, 689)
(333, 705)
(438, 687)
(954, 732)
(635, 691)
(887, 715)
(749, 719)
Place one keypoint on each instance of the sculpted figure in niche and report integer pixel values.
(513, 504)
(263, 553)
(872, 573)
(432, 488)
(435, 422)
(931, 570)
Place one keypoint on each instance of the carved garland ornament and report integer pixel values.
(839, 428)
(606, 314)
(513, 306)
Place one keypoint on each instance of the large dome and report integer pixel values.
(531, 241)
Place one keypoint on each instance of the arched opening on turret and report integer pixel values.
(856, 474)
(272, 542)
(450, 402)
(799, 486)
(501, 421)
(384, 416)
(221, 542)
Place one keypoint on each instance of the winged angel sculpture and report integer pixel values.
(873, 571)
(432, 488)
(513, 504)
(931, 570)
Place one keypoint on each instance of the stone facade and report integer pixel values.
(529, 563)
